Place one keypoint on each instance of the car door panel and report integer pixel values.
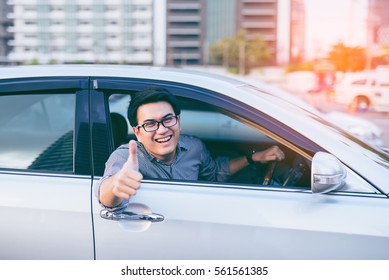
(207, 222)
(46, 218)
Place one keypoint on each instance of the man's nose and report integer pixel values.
(161, 128)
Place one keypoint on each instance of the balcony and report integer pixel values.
(248, 25)
(141, 15)
(86, 43)
(259, 12)
(183, 31)
(87, 28)
(184, 18)
(183, 6)
(184, 44)
(23, 29)
(23, 15)
(139, 57)
(139, 43)
(259, 1)
(57, 28)
(18, 42)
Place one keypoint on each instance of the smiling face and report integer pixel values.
(161, 143)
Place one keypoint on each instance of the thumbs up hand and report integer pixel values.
(126, 182)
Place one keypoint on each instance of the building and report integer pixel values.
(185, 32)
(259, 17)
(5, 36)
(378, 19)
(297, 31)
(377, 30)
(88, 31)
(194, 25)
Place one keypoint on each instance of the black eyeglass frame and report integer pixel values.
(175, 117)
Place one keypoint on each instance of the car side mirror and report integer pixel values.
(327, 174)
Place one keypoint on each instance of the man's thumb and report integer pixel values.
(132, 161)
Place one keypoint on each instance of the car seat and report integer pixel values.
(119, 129)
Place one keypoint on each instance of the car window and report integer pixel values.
(37, 131)
(226, 135)
(359, 82)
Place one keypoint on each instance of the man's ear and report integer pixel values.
(179, 121)
(136, 132)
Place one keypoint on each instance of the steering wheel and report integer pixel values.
(283, 175)
(296, 171)
(269, 172)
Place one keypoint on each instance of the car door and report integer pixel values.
(45, 174)
(235, 220)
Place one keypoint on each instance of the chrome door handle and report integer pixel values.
(130, 216)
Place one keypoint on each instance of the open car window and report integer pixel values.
(225, 135)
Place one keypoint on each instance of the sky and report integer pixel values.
(327, 22)
(332, 21)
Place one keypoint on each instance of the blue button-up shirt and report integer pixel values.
(192, 162)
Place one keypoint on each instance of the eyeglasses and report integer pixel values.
(152, 125)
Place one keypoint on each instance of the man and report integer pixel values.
(161, 152)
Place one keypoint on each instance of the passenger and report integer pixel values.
(162, 152)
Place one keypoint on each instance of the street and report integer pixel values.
(325, 105)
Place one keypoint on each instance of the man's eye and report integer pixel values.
(149, 124)
(167, 120)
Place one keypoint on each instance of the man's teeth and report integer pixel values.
(162, 140)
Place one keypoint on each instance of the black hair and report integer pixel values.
(150, 95)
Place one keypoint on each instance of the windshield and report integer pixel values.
(377, 155)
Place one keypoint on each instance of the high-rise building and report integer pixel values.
(377, 30)
(378, 22)
(259, 17)
(90, 31)
(5, 36)
(297, 31)
(194, 25)
(185, 32)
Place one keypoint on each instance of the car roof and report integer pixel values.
(123, 71)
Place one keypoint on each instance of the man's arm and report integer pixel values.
(124, 183)
(272, 153)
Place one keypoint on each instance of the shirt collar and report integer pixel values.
(181, 146)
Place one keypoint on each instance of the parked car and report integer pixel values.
(364, 90)
(327, 200)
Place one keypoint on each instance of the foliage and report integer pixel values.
(304, 66)
(239, 51)
(347, 59)
(383, 57)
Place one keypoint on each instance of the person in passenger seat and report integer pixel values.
(162, 152)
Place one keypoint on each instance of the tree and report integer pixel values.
(347, 59)
(240, 54)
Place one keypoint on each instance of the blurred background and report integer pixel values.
(334, 54)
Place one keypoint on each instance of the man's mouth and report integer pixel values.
(163, 140)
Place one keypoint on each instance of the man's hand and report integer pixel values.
(273, 153)
(124, 183)
(127, 180)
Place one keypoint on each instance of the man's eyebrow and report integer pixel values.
(153, 120)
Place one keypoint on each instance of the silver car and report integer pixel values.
(58, 124)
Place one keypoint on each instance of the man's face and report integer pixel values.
(161, 143)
